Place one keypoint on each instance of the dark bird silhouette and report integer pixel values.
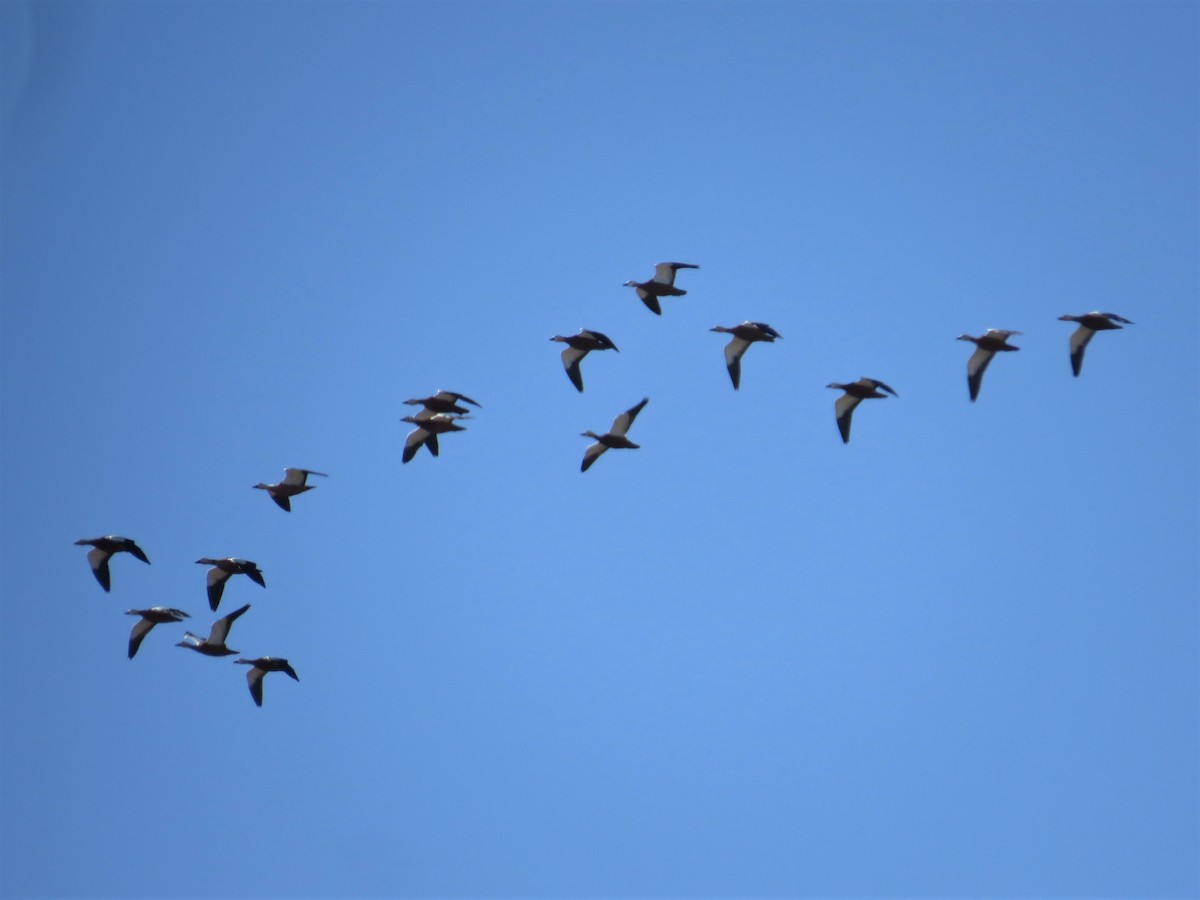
(260, 667)
(444, 402)
(579, 346)
(856, 392)
(102, 550)
(224, 569)
(615, 438)
(661, 285)
(429, 426)
(294, 482)
(1089, 324)
(743, 336)
(156, 615)
(993, 342)
(214, 644)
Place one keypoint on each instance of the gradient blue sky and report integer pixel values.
(957, 657)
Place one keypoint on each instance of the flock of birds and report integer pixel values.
(220, 571)
(441, 413)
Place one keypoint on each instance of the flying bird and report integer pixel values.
(1089, 324)
(103, 548)
(294, 482)
(856, 392)
(156, 615)
(993, 342)
(224, 569)
(429, 426)
(214, 644)
(743, 336)
(615, 438)
(260, 667)
(444, 402)
(661, 285)
(579, 346)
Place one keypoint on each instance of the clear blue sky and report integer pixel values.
(957, 657)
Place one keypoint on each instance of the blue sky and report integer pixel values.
(956, 657)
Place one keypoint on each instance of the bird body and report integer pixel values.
(214, 644)
(579, 346)
(102, 550)
(614, 439)
(444, 402)
(294, 482)
(156, 615)
(1089, 324)
(856, 392)
(661, 285)
(994, 341)
(743, 336)
(429, 426)
(224, 569)
(259, 668)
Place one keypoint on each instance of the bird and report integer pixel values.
(156, 615)
(222, 570)
(579, 346)
(294, 482)
(105, 547)
(214, 644)
(987, 346)
(661, 285)
(743, 336)
(615, 439)
(444, 402)
(429, 426)
(856, 392)
(260, 667)
(1089, 324)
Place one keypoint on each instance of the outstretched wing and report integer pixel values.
(254, 678)
(98, 560)
(976, 366)
(733, 360)
(216, 586)
(591, 454)
(571, 358)
(622, 422)
(1079, 341)
(220, 628)
(141, 628)
(844, 409)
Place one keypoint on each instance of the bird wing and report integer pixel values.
(571, 358)
(1079, 341)
(294, 476)
(622, 422)
(603, 339)
(591, 454)
(733, 359)
(216, 586)
(767, 329)
(135, 550)
(255, 574)
(98, 560)
(1000, 333)
(413, 443)
(453, 395)
(284, 503)
(875, 382)
(220, 628)
(254, 678)
(141, 628)
(976, 366)
(650, 300)
(1114, 317)
(843, 408)
(431, 444)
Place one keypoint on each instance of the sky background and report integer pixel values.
(957, 657)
